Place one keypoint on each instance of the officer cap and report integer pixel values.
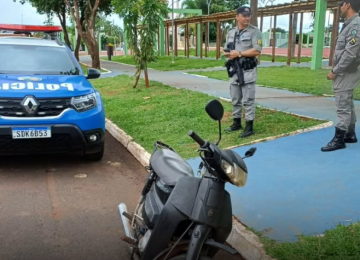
(245, 10)
(355, 4)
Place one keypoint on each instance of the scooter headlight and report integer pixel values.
(236, 174)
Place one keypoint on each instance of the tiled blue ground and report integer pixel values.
(294, 188)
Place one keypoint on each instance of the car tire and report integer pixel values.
(96, 156)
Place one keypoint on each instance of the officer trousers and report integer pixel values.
(345, 109)
(243, 95)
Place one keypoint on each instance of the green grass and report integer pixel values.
(264, 57)
(294, 79)
(167, 114)
(341, 243)
(164, 63)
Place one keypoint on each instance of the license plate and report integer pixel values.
(31, 132)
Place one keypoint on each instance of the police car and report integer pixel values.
(47, 104)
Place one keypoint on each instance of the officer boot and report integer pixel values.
(337, 142)
(248, 129)
(350, 136)
(235, 126)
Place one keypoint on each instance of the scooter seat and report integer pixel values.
(169, 166)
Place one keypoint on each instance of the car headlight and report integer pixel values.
(84, 103)
(236, 174)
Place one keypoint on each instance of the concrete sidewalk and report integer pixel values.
(293, 188)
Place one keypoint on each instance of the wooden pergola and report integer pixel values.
(299, 7)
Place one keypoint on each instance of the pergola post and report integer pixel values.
(334, 35)
(168, 40)
(274, 40)
(162, 38)
(300, 37)
(206, 38)
(187, 40)
(289, 38)
(200, 38)
(196, 41)
(176, 41)
(218, 39)
(261, 29)
(316, 61)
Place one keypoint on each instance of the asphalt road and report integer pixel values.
(54, 207)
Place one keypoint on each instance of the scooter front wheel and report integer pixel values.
(183, 257)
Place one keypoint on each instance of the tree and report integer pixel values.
(142, 19)
(51, 8)
(84, 13)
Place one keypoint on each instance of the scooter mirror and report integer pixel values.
(215, 109)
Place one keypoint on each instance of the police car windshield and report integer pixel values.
(36, 60)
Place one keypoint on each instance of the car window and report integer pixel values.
(28, 59)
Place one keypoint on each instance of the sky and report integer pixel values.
(15, 13)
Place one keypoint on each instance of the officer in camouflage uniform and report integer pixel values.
(346, 76)
(248, 43)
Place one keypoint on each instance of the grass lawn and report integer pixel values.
(167, 114)
(264, 57)
(290, 78)
(341, 243)
(164, 63)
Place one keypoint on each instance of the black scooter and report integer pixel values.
(180, 216)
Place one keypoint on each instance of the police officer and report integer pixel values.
(345, 75)
(248, 43)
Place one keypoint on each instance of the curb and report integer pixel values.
(242, 240)
(246, 242)
(87, 65)
(127, 141)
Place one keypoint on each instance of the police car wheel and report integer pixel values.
(95, 156)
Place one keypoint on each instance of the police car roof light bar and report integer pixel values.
(30, 28)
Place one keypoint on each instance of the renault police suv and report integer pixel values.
(47, 104)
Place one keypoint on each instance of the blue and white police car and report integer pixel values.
(47, 104)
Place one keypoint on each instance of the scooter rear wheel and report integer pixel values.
(183, 257)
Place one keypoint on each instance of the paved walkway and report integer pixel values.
(293, 187)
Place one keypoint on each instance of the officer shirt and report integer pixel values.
(346, 54)
(246, 39)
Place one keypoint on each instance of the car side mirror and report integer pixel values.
(93, 73)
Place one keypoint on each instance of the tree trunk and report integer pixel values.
(77, 47)
(93, 47)
(137, 79)
(62, 18)
(66, 36)
(146, 76)
(294, 31)
(254, 11)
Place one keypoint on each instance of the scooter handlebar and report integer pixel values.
(196, 138)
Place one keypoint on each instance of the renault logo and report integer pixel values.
(30, 105)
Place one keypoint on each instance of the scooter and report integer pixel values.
(180, 216)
